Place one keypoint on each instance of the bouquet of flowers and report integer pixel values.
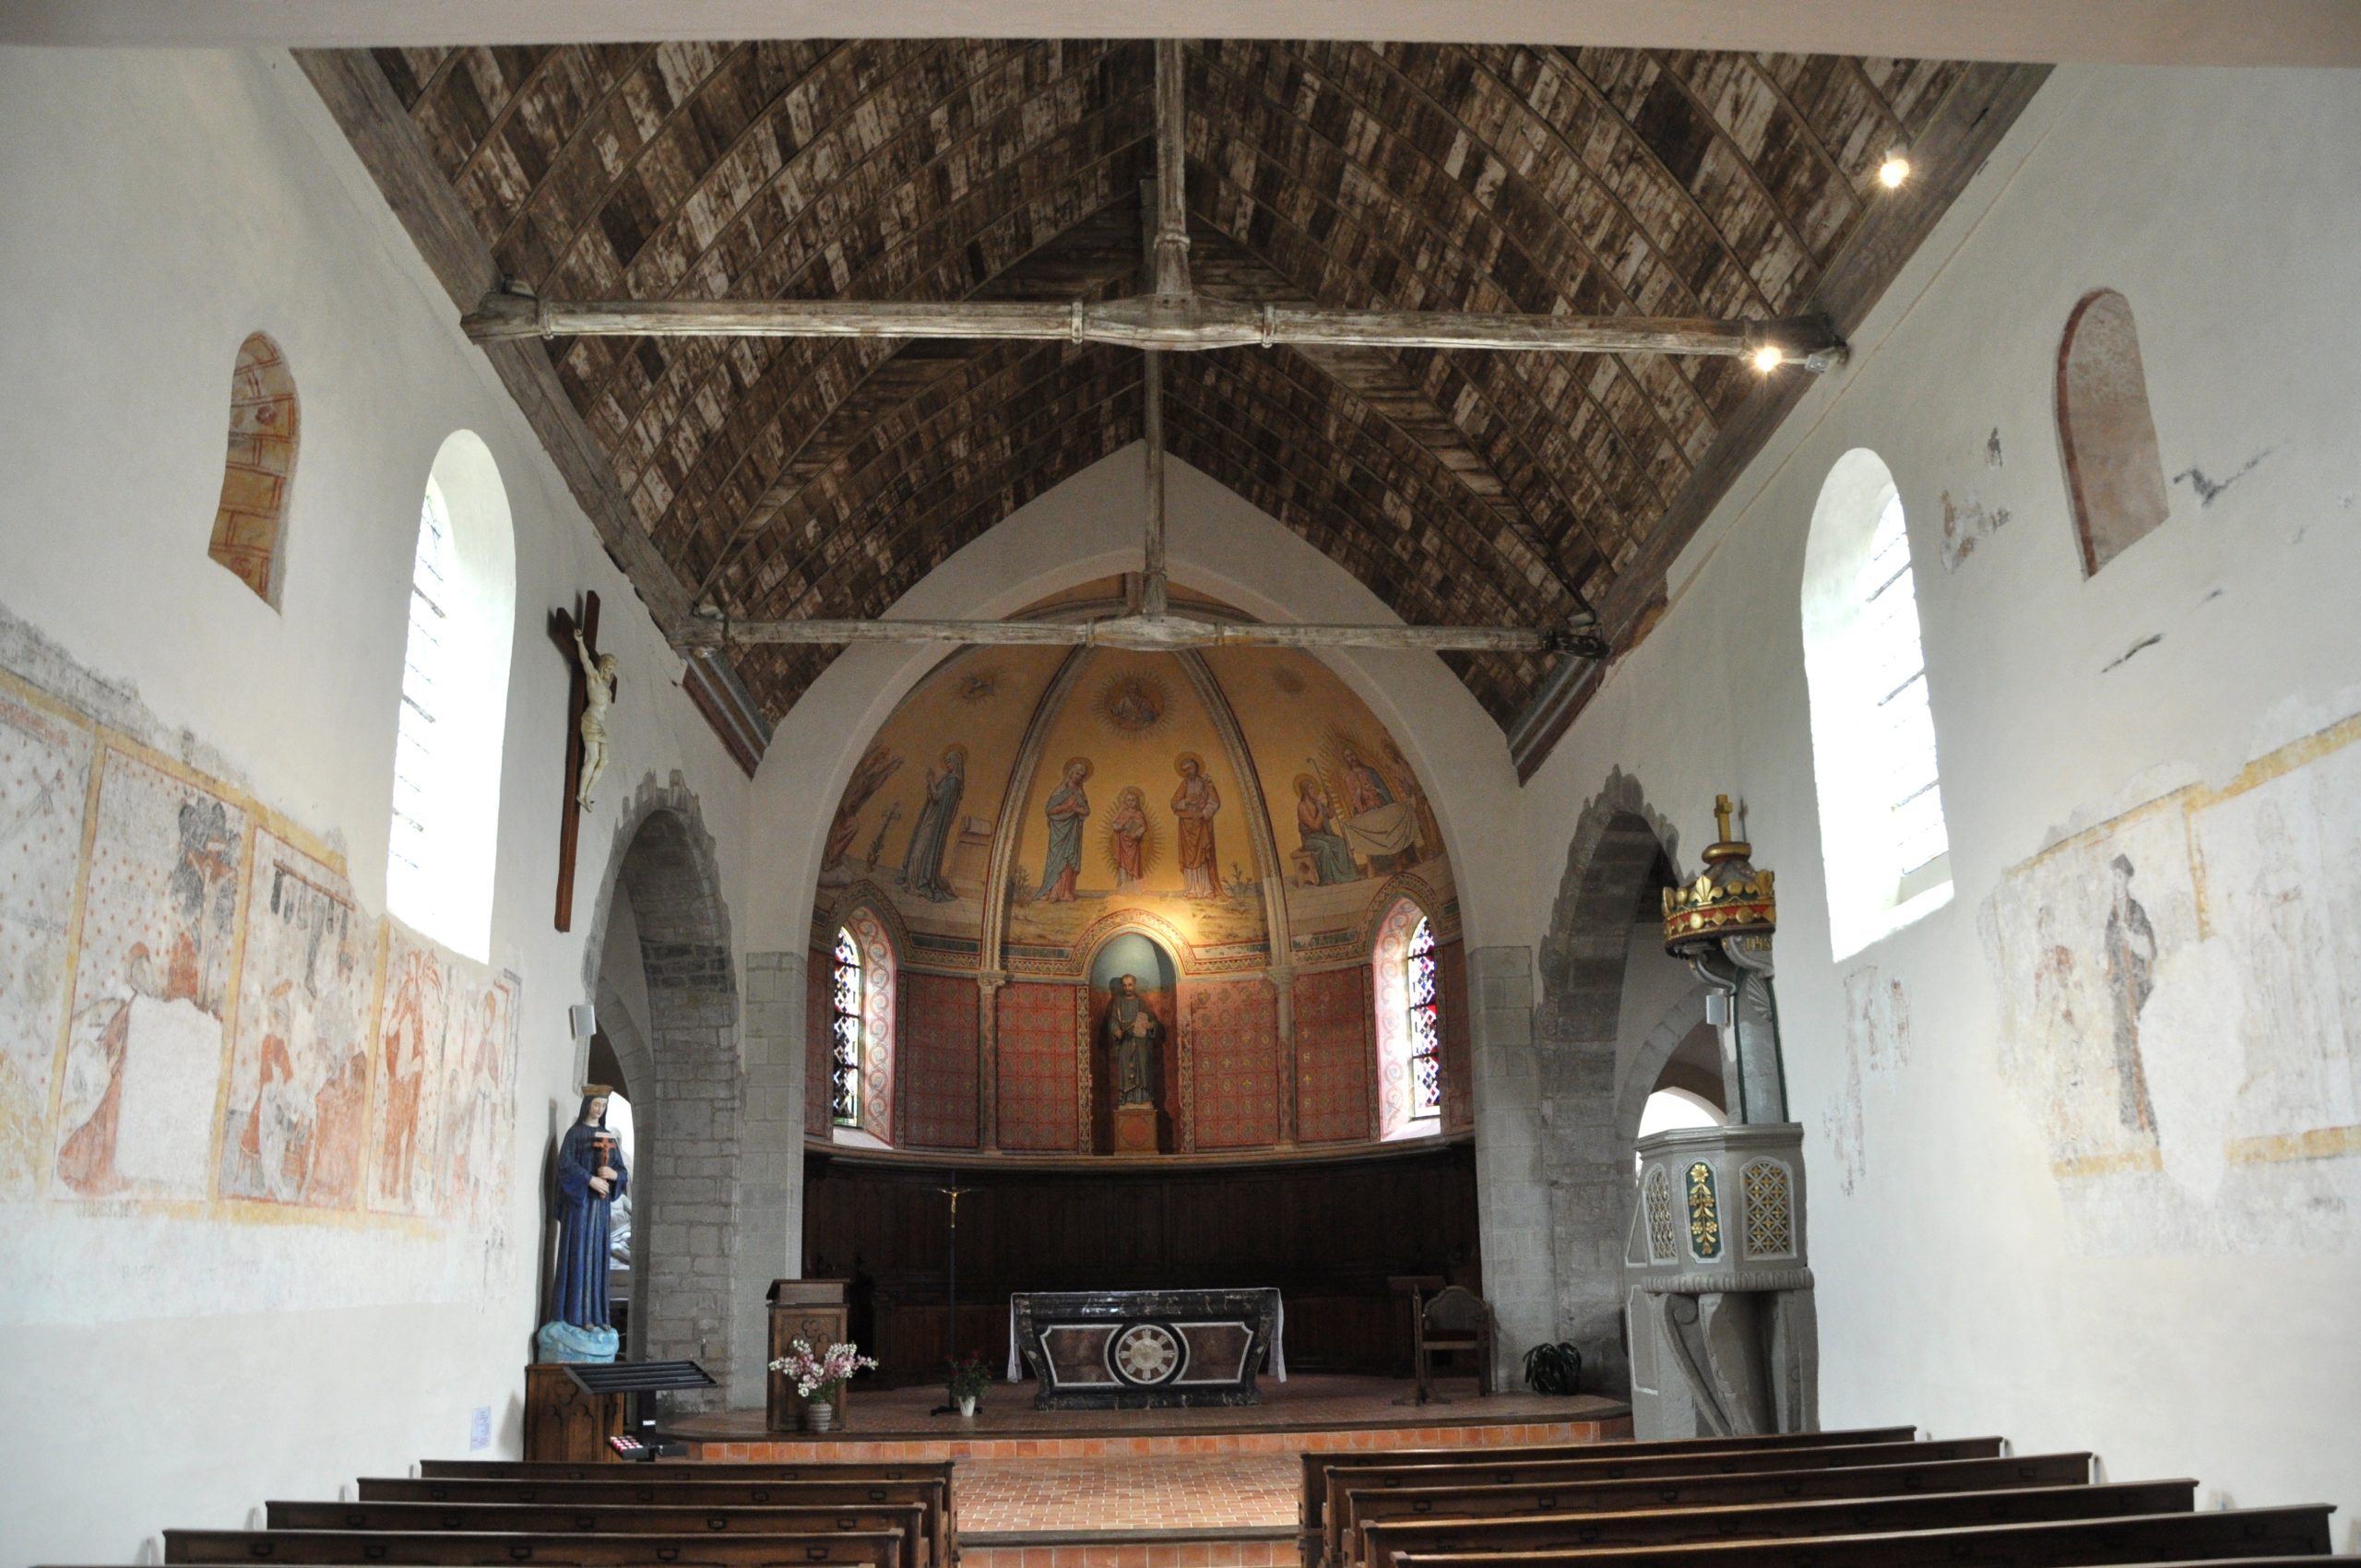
(817, 1374)
(970, 1375)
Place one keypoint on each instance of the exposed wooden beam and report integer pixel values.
(1153, 597)
(1171, 252)
(1184, 323)
(1140, 633)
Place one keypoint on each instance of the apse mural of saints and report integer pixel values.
(1127, 836)
(923, 870)
(1194, 804)
(1068, 809)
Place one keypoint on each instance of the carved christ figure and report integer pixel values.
(597, 696)
(1131, 1031)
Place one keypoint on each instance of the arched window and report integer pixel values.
(447, 743)
(1409, 1024)
(861, 1030)
(2114, 474)
(250, 523)
(844, 1034)
(1883, 835)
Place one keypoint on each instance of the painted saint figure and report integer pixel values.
(1315, 821)
(866, 779)
(1194, 802)
(2130, 977)
(591, 1175)
(1131, 1031)
(1364, 786)
(930, 838)
(1067, 807)
(1127, 836)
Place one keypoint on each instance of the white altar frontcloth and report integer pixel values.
(1278, 1358)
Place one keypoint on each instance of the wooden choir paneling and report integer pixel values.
(1326, 1234)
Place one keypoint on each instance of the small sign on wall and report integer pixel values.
(479, 1430)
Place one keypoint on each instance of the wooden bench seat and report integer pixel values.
(690, 1471)
(2241, 1534)
(1362, 1506)
(467, 1548)
(618, 1485)
(1506, 1467)
(1386, 1544)
(1316, 1465)
(531, 1518)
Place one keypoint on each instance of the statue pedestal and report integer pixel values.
(1135, 1129)
(560, 1342)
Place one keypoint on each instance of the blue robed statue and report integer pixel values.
(591, 1174)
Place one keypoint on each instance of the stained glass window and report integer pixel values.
(844, 1074)
(1425, 1024)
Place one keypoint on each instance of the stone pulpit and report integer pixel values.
(1717, 1283)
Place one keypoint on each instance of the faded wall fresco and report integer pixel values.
(2180, 1011)
(198, 1012)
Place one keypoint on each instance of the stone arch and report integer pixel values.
(688, 1246)
(1648, 1063)
(1622, 848)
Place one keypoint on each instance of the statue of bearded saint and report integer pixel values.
(1131, 1031)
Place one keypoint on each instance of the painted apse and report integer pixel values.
(1229, 827)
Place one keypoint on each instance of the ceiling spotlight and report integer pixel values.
(1767, 358)
(1894, 170)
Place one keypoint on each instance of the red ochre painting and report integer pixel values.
(194, 990)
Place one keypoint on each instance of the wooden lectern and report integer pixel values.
(814, 1311)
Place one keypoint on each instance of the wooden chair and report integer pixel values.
(1456, 1318)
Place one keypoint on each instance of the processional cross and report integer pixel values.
(585, 743)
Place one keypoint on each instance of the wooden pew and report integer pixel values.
(2241, 1534)
(1360, 1506)
(1506, 1468)
(1387, 1544)
(469, 1548)
(1316, 1465)
(691, 1470)
(631, 1518)
(450, 1480)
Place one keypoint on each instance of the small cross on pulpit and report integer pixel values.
(578, 641)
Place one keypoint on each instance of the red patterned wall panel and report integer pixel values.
(938, 1060)
(1231, 1030)
(1332, 1056)
(819, 967)
(1458, 1063)
(1036, 1067)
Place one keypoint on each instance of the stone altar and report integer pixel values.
(1142, 1349)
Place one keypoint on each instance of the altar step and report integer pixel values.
(1236, 1547)
(1610, 1424)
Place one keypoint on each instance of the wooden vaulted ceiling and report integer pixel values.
(827, 477)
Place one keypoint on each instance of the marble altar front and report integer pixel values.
(1139, 1350)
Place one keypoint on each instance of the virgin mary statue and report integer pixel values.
(591, 1174)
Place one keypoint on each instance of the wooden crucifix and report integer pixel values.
(578, 641)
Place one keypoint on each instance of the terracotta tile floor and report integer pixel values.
(1061, 1495)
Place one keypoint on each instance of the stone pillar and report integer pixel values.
(687, 1213)
(1284, 1063)
(1511, 1194)
(770, 1188)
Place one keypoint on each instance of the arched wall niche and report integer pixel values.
(1623, 849)
(690, 1086)
(258, 475)
(2106, 434)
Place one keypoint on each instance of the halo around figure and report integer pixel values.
(1074, 762)
(1189, 758)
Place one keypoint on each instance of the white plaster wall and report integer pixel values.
(1953, 1289)
(159, 207)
